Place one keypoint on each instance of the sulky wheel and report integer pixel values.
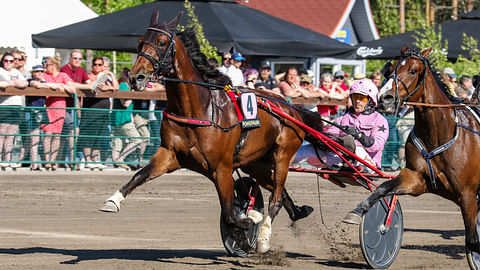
(239, 242)
(380, 244)
(473, 258)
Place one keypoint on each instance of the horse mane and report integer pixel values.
(209, 73)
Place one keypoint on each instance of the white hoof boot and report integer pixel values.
(109, 206)
(256, 216)
(263, 246)
(352, 218)
(112, 204)
(263, 243)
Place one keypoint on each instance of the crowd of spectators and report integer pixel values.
(54, 125)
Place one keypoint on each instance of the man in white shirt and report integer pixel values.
(226, 64)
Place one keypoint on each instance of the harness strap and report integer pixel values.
(476, 118)
(186, 120)
(232, 97)
(427, 156)
(197, 122)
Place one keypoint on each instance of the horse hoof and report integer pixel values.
(110, 207)
(352, 218)
(301, 212)
(263, 246)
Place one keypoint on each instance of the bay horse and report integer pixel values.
(201, 130)
(443, 148)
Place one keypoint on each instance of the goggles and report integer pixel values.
(359, 97)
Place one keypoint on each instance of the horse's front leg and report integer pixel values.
(275, 203)
(469, 209)
(224, 184)
(407, 182)
(162, 162)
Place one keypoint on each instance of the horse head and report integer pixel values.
(156, 52)
(405, 78)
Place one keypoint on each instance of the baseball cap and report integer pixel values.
(339, 73)
(449, 71)
(265, 64)
(237, 56)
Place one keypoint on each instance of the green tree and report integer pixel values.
(468, 66)
(105, 6)
(205, 46)
(430, 37)
(102, 7)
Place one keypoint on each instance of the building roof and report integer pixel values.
(327, 17)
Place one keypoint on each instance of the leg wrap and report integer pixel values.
(256, 216)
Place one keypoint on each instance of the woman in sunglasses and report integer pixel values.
(363, 130)
(10, 114)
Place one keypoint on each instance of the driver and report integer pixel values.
(363, 131)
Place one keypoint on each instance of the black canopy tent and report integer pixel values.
(226, 25)
(452, 31)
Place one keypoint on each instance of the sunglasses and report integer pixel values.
(339, 77)
(226, 59)
(19, 59)
(8, 61)
(359, 97)
(98, 65)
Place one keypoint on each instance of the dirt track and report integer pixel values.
(49, 220)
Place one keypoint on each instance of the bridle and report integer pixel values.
(159, 65)
(387, 73)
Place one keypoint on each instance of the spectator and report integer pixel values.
(20, 61)
(265, 80)
(95, 120)
(330, 91)
(75, 71)
(306, 83)
(251, 76)
(290, 87)
(35, 116)
(226, 63)
(364, 131)
(376, 78)
(9, 116)
(124, 75)
(450, 79)
(62, 82)
(123, 126)
(339, 77)
(465, 89)
(358, 76)
(234, 72)
(140, 119)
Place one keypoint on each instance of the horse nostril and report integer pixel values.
(387, 98)
(140, 78)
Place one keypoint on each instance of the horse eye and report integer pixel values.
(413, 71)
(162, 43)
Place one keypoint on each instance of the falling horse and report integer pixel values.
(443, 149)
(202, 130)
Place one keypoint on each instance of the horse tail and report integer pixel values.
(313, 120)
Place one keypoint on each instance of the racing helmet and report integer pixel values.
(365, 87)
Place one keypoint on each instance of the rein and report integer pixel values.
(440, 105)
